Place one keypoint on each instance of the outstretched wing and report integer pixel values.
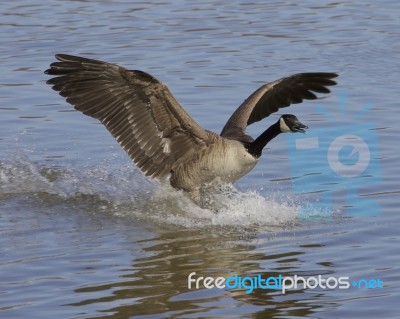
(138, 110)
(270, 97)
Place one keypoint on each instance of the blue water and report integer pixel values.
(85, 235)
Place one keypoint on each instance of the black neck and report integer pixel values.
(255, 148)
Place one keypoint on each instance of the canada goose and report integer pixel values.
(161, 138)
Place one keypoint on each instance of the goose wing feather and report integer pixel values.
(138, 110)
(270, 97)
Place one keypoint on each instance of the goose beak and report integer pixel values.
(299, 127)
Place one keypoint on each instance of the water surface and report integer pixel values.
(86, 235)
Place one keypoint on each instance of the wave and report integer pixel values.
(122, 190)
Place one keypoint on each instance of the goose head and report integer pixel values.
(290, 123)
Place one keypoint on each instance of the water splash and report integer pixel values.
(243, 209)
(121, 190)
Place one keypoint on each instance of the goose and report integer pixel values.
(161, 138)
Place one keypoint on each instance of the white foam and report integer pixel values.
(235, 209)
(122, 190)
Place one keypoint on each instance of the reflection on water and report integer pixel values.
(157, 283)
(85, 235)
(113, 271)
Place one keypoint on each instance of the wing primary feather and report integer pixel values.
(271, 97)
(137, 109)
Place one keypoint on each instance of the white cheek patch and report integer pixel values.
(283, 126)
